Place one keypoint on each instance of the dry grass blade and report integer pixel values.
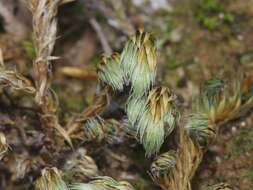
(16, 81)
(81, 73)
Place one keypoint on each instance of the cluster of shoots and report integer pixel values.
(150, 110)
(219, 101)
(151, 116)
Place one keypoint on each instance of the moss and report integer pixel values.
(247, 174)
(243, 142)
(212, 14)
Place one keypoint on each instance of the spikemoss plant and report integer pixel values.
(150, 113)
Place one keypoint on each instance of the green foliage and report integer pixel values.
(138, 61)
(212, 90)
(109, 71)
(201, 128)
(150, 111)
(212, 14)
(97, 128)
(153, 118)
(93, 128)
(247, 174)
(243, 142)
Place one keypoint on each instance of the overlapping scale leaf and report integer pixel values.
(50, 179)
(103, 183)
(93, 128)
(138, 61)
(219, 98)
(221, 186)
(135, 108)
(162, 164)
(154, 121)
(201, 128)
(81, 168)
(97, 128)
(109, 72)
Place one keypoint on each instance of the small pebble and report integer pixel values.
(243, 123)
(221, 15)
(240, 37)
(218, 159)
(234, 129)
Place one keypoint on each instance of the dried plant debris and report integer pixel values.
(13, 79)
(82, 168)
(221, 186)
(138, 61)
(103, 183)
(44, 28)
(50, 179)
(3, 145)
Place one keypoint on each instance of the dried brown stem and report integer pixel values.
(189, 156)
(45, 28)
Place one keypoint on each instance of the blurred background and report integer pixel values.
(196, 40)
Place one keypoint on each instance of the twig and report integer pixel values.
(45, 28)
(101, 36)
